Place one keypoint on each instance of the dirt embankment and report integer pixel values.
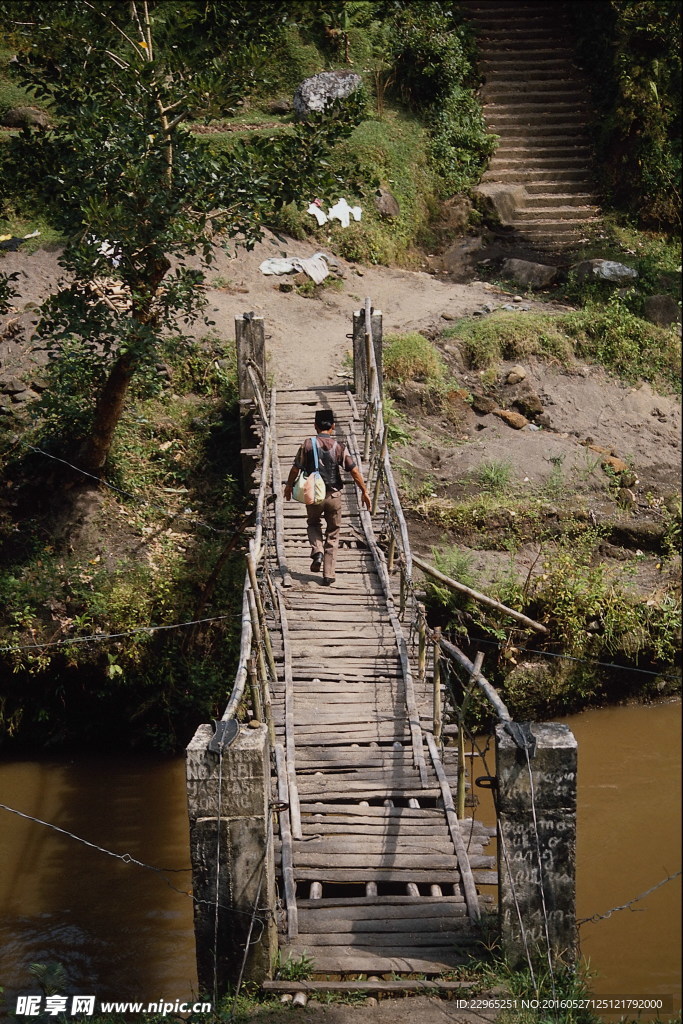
(579, 418)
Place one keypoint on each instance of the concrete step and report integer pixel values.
(517, 76)
(531, 49)
(531, 175)
(512, 149)
(512, 95)
(521, 31)
(550, 229)
(544, 214)
(546, 133)
(564, 188)
(538, 163)
(520, 108)
(529, 83)
(545, 200)
(497, 118)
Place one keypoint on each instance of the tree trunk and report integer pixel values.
(107, 415)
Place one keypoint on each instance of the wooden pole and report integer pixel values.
(481, 598)
(368, 364)
(286, 838)
(256, 630)
(251, 569)
(402, 598)
(422, 644)
(484, 685)
(367, 437)
(391, 552)
(255, 691)
(460, 789)
(380, 464)
(437, 718)
(279, 498)
(469, 888)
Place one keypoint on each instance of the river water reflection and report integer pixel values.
(629, 839)
(122, 933)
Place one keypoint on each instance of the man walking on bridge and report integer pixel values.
(332, 457)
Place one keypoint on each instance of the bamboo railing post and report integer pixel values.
(367, 437)
(461, 780)
(258, 639)
(368, 362)
(254, 687)
(391, 552)
(482, 598)
(437, 717)
(402, 597)
(460, 789)
(260, 611)
(422, 644)
(380, 464)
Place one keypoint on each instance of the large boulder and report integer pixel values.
(24, 117)
(313, 94)
(605, 270)
(386, 204)
(662, 310)
(529, 275)
(499, 202)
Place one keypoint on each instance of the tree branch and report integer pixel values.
(112, 24)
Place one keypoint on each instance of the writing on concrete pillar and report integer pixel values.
(537, 843)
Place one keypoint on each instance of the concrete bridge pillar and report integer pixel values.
(537, 843)
(231, 848)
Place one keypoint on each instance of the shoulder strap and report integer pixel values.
(314, 446)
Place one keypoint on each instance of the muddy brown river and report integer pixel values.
(122, 931)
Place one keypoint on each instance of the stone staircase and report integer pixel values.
(539, 180)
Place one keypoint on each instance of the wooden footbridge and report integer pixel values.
(377, 870)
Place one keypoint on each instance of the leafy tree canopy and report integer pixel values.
(135, 192)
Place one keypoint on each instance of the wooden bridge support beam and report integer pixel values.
(250, 342)
(231, 849)
(360, 376)
(537, 844)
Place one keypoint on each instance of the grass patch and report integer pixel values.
(19, 225)
(488, 340)
(411, 356)
(610, 335)
(628, 346)
(393, 153)
(494, 476)
(11, 94)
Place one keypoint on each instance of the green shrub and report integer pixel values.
(457, 564)
(430, 56)
(632, 54)
(460, 145)
(391, 153)
(411, 357)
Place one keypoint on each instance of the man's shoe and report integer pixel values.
(317, 562)
(328, 581)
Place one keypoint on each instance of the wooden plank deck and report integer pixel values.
(380, 869)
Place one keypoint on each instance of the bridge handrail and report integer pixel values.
(257, 549)
(375, 434)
